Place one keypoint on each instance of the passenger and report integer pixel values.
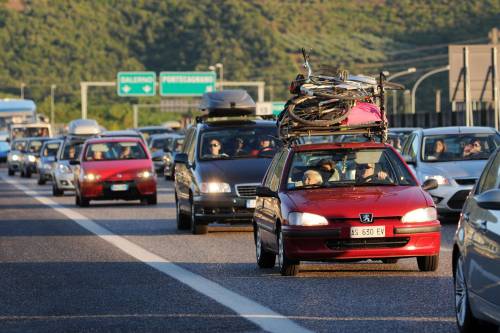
(71, 152)
(239, 147)
(365, 173)
(126, 153)
(328, 170)
(472, 148)
(265, 146)
(98, 155)
(312, 177)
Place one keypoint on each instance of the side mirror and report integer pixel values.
(409, 160)
(181, 158)
(430, 184)
(74, 162)
(263, 191)
(489, 200)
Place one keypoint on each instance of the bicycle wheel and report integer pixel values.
(305, 110)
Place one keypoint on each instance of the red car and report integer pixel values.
(115, 168)
(343, 201)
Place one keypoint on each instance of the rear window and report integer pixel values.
(108, 151)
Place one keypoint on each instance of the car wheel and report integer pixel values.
(182, 219)
(265, 259)
(466, 322)
(56, 191)
(287, 267)
(41, 181)
(27, 174)
(428, 263)
(11, 172)
(152, 199)
(21, 173)
(196, 228)
(390, 260)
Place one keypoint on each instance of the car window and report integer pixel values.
(490, 178)
(35, 146)
(413, 149)
(270, 170)
(407, 144)
(19, 145)
(50, 149)
(106, 151)
(459, 147)
(348, 167)
(274, 182)
(71, 150)
(243, 142)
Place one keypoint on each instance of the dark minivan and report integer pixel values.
(224, 159)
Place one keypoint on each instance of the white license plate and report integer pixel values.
(119, 187)
(368, 232)
(251, 203)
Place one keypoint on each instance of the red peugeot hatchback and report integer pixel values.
(115, 168)
(343, 201)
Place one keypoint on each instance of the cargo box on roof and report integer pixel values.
(84, 127)
(228, 103)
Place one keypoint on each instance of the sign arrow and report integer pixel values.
(126, 88)
(146, 89)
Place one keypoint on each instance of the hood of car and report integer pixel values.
(125, 169)
(456, 169)
(349, 202)
(237, 171)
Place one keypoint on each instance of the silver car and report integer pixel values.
(46, 163)
(476, 255)
(62, 172)
(15, 156)
(454, 156)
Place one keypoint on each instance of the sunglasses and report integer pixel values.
(214, 145)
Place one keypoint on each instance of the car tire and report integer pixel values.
(11, 172)
(152, 199)
(390, 260)
(41, 181)
(183, 222)
(27, 174)
(196, 228)
(56, 191)
(21, 173)
(287, 266)
(466, 321)
(265, 258)
(428, 263)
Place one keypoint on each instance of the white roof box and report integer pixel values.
(228, 103)
(84, 127)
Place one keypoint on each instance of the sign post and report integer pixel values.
(136, 84)
(186, 83)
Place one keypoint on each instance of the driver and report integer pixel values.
(365, 173)
(215, 149)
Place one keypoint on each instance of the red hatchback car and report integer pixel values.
(115, 168)
(343, 201)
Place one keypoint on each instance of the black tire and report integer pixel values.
(183, 222)
(466, 321)
(41, 181)
(287, 266)
(11, 172)
(428, 263)
(196, 227)
(56, 191)
(265, 258)
(27, 174)
(83, 202)
(152, 199)
(21, 173)
(390, 260)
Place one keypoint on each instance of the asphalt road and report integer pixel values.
(123, 267)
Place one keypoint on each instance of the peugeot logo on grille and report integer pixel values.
(119, 175)
(366, 217)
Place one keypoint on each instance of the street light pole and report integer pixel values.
(22, 90)
(408, 71)
(52, 104)
(221, 74)
(423, 77)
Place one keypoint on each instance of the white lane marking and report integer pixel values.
(258, 314)
(223, 316)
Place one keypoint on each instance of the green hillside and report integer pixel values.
(65, 42)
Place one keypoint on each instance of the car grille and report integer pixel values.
(466, 181)
(458, 199)
(367, 243)
(247, 190)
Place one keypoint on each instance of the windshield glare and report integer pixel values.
(106, 151)
(238, 143)
(459, 147)
(347, 167)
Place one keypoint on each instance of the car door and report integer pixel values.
(482, 239)
(183, 178)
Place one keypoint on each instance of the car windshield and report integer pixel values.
(108, 151)
(19, 145)
(35, 146)
(459, 147)
(148, 132)
(176, 145)
(397, 139)
(50, 149)
(71, 150)
(25, 132)
(232, 143)
(347, 167)
(159, 144)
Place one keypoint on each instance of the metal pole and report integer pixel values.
(469, 120)
(438, 100)
(394, 101)
(52, 104)
(260, 92)
(221, 77)
(496, 101)
(423, 77)
(136, 115)
(83, 88)
(408, 71)
(22, 90)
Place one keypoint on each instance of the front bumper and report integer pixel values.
(450, 198)
(223, 208)
(65, 181)
(136, 189)
(14, 165)
(45, 173)
(333, 242)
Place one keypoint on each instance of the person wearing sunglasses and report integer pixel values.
(366, 173)
(214, 149)
(473, 148)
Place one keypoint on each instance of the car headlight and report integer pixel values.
(145, 174)
(427, 214)
(306, 219)
(91, 177)
(214, 187)
(31, 158)
(440, 179)
(15, 157)
(63, 168)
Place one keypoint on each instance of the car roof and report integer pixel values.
(114, 139)
(237, 123)
(338, 145)
(153, 128)
(166, 135)
(458, 130)
(404, 129)
(121, 132)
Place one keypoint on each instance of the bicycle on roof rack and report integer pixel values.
(322, 104)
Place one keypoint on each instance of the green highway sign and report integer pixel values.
(136, 84)
(277, 107)
(186, 83)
